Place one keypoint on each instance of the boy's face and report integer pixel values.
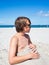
(27, 28)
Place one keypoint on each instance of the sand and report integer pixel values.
(39, 36)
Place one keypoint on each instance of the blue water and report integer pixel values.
(32, 26)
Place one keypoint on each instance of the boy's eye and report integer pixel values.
(29, 25)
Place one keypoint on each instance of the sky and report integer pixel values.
(36, 10)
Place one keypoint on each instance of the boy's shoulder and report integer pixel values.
(14, 37)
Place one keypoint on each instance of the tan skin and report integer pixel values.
(23, 41)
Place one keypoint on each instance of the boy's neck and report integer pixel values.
(21, 33)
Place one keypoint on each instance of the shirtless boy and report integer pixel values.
(20, 40)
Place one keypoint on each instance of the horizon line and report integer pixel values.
(32, 26)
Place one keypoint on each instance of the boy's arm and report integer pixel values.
(31, 44)
(12, 51)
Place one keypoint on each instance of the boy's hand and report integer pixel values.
(34, 55)
(32, 46)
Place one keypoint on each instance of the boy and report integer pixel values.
(20, 40)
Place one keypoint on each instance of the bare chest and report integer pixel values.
(23, 41)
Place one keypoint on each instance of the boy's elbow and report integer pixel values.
(11, 61)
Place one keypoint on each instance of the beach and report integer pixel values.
(39, 36)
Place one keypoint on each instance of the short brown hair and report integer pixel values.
(20, 23)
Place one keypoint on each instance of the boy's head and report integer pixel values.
(22, 23)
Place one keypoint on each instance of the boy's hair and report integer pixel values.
(20, 23)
